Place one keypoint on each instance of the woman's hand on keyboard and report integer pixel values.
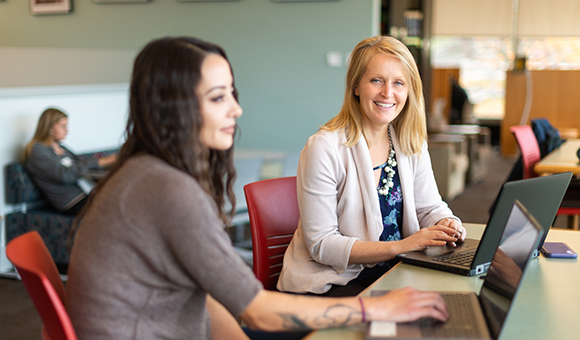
(437, 235)
(458, 230)
(407, 304)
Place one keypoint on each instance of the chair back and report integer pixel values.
(274, 215)
(529, 148)
(31, 258)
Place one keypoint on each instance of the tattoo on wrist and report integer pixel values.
(338, 315)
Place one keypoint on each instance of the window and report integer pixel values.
(484, 60)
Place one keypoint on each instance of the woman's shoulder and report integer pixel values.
(149, 186)
(154, 172)
(327, 147)
(40, 146)
(153, 166)
(40, 151)
(328, 137)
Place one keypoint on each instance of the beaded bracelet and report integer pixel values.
(362, 306)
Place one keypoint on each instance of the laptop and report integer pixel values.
(483, 315)
(542, 196)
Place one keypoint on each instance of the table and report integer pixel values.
(562, 159)
(546, 306)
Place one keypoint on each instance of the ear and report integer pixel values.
(356, 92)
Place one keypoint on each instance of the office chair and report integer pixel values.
(274, 215)
(33, 262)
(530, 150)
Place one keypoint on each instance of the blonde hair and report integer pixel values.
(410, 125)
(42, 135)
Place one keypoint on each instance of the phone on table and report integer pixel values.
(558, 250)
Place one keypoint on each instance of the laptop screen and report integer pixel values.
(517, 243)
(541, 196)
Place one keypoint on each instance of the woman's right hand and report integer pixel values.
(107, 160)
(434, 236)
(404, 305)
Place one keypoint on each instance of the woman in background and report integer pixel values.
(56, 171)
(151, 258)
(366, 189)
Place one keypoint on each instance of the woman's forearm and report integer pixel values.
(366, 252)
(435, 236)
(275, 311)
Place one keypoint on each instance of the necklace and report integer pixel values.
(387, 183)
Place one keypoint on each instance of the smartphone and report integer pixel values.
(558, 250)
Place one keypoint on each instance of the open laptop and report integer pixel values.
(542, 196)
(478, 316)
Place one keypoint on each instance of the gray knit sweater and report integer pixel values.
(146, 254)
(56, 175)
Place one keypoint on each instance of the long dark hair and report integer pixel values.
(165, 120)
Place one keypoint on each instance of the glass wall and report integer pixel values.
(483, 61)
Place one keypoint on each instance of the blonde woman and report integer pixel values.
(55, 170)
(366, 189)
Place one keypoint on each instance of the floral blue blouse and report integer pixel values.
(392, 212)
(392, 208)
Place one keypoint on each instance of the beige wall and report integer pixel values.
(493, 17)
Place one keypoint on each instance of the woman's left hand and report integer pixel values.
(460, 232)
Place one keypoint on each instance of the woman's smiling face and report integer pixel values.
(382, 90)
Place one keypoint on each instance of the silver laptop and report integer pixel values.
(478, 316)
(542, 196)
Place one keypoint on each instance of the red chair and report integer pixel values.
(274, 215)
(31, 258)
(530, 150)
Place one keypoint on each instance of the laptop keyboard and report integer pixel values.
(462, 323)
(462, 259)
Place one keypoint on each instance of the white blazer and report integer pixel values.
(338, 201)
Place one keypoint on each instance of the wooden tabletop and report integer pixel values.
(562, 159)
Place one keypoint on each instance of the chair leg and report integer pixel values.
(573, 222)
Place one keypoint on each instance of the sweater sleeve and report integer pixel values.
(45, 163)
(318, 179)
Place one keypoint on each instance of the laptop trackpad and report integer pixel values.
(468, 244)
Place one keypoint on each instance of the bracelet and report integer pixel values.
(362, 307)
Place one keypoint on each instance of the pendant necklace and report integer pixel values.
(387, 183)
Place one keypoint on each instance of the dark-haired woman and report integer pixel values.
(56, 171)
(151, 259)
